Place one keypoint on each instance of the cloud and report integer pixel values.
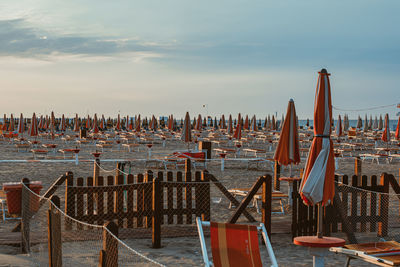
(18, 39)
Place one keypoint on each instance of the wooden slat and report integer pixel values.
(119, 201)
(170, 197)
(139, 201)
(372, 211)
(110, 200)
(79, 203)
(148, 198)
(364, 196)
(188, 193)
(130, 201)
(100, 201)
(205, 216)
(69, 201)
(179, 196)
(353, 212)
(90, 201)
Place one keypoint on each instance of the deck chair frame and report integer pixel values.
(208, 262)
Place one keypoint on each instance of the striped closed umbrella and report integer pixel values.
(365, 129)
(11, 125)
(238, 132)
(375, 125)
(253, 126)
(198, 123)
(33, 131)
(386, 131)
(397, 134)
(222, 122)
(317, 184)
(288, 150)
(186, 130)
(137, 124)
(246, 123)
(359, 122)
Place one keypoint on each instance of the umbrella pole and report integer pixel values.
(319, 222)
(290, 170)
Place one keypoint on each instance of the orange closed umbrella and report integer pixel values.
(230, 126)
(288, 151)
(397, 134)
(386, 132)
(76, 123)
(95, 126)
(63, 125)
(186, 131)
(21, 125)
(118, 126)
(317, 185)
(246, 123)
(238, 131)
(338, 130)
(33, 131)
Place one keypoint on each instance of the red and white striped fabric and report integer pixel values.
(238, 132)
(386, 131)
(288, 151)
(317, 184)
(11, 125)
(95, 126)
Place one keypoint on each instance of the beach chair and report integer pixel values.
(3, 205)
(378, 253)
(234, 244)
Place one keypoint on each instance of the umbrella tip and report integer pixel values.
(324, 71)
(291, 100)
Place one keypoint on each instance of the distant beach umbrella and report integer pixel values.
(370, 122)
(386, 131)
(230, 126)
(127, 121)
(76, 123)
(254, 124)
(186, 130)
(375, 125)
(198, 125)
(88, 124)
(238, 131)
(359, 122)
(397, 134)
(318, 182)
(63, 124)
(281, 123)
(11, 125)
(273, 123)
(269, 122)
(95, 125)
(222, 122)
(171, 122)
(265, 126)
(288, 151)
(21, 125)
(118, 125)
(33, 131)
(380, 124)
(246, 123)
(137, 124)
(308, 123)
(338, 129)
(365, 129)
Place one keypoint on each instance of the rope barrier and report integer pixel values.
(365, 109)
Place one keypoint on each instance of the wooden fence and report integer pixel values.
(351, 211)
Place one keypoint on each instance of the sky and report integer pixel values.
(210, 57)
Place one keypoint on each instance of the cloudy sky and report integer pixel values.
(175, 56)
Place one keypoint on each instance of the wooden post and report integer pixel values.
(54, 233)
(69, 201)
(157, 213)
(205, 215)
(358, 168)
(188, 191)
(110, 244)
(277, 175)
(205, 145)
(102, 258)
(96, 171)
(266, 203)
(25, 216)
(384, 206)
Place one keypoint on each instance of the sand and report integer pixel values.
(183, 251)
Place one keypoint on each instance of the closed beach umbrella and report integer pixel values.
(338, 129)
(198, 123)
(88, 124)
(365, 129)
(238, 132)
(137, 124)
(375, 125)
(95, 125)
(397, 134)
(359, 122)
(246, 123)
(386, 132)
(253, 124)
(171, 122)
(288, 151)
(33, 131)
(230, 125)
(317, 184)
(281, 123)
(63, 124)
(273, 123)
(370, 122)
(380, 124)
(223, 123)
(76, 123)
(186, 131)
(21, 124)
(11, 126)
(118, 126)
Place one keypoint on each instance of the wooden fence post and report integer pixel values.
(205, 215)
(266, 203)
(69, 201)
(96, 171)
(384, 206)
(110, 244)
(277, 175)
(54, 233)
(25, 216)
(358, 168)
(157, 213)
(102, 258)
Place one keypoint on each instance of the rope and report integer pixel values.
(365, 109)
(94, 226)
(367, 191)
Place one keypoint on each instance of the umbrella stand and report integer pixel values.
(320, 220)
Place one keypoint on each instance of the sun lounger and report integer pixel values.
(234, 244)
(39, 153)
(24, 146)
(276, 195)
(378, 253)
